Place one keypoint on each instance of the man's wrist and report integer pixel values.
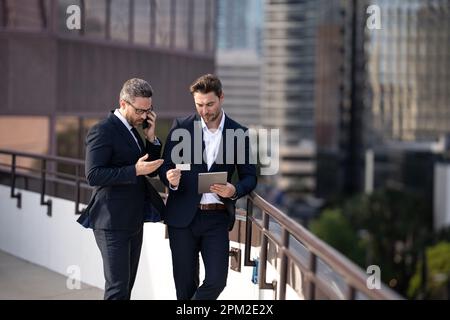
(154, 141)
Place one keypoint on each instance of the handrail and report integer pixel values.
(42, 157)
(46, 175)
(353, 276)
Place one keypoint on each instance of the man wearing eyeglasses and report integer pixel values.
(117, 161)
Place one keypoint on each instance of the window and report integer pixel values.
(62, 16)
(199, 25)
(211, 16)
(182, 24)
(95, 20)
(120, 19)
(142, 17)
(3, 18)
(24, 133)
(28, 15)
(163, 22)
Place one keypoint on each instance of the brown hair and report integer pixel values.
(206, 84)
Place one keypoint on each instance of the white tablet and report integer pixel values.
(206, 180)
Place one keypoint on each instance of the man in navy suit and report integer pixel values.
(116, 164)
(200, 223)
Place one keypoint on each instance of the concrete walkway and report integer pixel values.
(23, 280)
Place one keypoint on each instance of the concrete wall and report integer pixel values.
(59, 242)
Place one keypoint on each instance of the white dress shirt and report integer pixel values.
(212, 143)
(129, 127)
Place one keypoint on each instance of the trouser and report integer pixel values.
(207, 234)
(120, 250)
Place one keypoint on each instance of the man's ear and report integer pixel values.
(122, 104)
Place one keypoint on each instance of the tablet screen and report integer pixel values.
(206, 180)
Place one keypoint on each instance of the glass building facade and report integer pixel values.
(238, 58)
(409, 71)
(288, 86)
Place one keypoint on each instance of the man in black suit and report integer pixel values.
(200, 223)
(116, 164)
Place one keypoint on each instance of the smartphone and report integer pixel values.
(145, 124)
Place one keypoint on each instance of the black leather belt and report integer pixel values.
(212, 206)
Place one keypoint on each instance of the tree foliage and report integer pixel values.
(390, 227)
(437, 274)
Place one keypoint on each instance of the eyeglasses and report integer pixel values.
(140, 111)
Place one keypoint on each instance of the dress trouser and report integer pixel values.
(120, 251)
(207, 234)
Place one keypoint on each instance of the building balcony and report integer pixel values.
(271, 256)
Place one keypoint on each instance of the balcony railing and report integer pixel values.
(282, 242)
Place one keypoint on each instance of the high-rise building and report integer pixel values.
(340, 87)
(379, 86)
(240, 71)
(409, 71)
(238, 59)
(239, 25)
(313, 86)
(289, 50)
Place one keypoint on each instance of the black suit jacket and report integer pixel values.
(120, 199)
(181, 205)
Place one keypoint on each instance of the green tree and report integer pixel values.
(390, 228)
(333, 228)
(398, 224)
(437, 274)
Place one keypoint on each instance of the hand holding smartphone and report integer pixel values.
(145, 124)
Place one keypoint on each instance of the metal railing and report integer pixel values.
(287, 235)
(273, 227)
(45, 172)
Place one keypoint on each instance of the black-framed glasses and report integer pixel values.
(140, 111)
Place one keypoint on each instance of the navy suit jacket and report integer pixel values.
(121, 199)
(182, 204)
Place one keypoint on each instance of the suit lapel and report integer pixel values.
(125, 133)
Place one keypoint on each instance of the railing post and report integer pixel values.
(283, 265)
(351, 293)
(15, 195)
(263, 260)
(77, 190)
(311, 281)
(47, 203)
(248, 235)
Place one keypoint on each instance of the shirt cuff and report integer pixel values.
(235, 195)
(173, 188)
(155, 142)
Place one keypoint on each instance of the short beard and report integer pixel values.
(214, 117)
(131, 122)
